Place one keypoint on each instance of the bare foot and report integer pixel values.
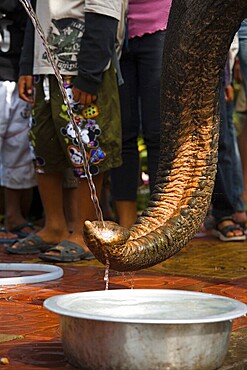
(4, 234)
(53, 236)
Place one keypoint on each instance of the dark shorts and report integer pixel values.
(54, 139)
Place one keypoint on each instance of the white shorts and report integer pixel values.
(16, 160)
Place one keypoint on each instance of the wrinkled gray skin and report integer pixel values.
(197, 41)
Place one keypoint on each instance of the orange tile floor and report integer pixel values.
(30, 334)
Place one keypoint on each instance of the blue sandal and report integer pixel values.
(18, 229)
(7, 240)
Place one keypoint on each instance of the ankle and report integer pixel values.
(127, 213)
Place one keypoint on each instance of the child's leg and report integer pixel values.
(86, 208)
(70, 198)
(85, 211)
(16, 167)
(14, 213)
(51, 192)
(26, 202)
(70, 206)
(127, 212)
(55, 228)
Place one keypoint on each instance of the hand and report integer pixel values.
(25, 86)
(237, 71)
(82, 97)
(229, 94)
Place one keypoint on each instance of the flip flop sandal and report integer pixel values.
(18, 229)
(66, 251)
(32, 244)
(7, 240)
(221, 234)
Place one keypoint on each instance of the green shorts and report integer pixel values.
(54, 140)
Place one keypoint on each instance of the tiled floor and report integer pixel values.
(30, 334)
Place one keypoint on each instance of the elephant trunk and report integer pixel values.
(196, 45)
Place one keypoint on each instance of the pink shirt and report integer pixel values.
(147, 16)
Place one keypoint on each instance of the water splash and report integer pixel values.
(31, 13)
(130, 279)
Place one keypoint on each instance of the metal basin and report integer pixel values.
(145, 329)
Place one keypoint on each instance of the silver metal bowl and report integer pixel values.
(145, 329)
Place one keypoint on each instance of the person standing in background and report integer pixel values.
(227, 202)
(140, 65)
(242, 139)
(16, 165)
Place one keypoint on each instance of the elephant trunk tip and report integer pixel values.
(104, 234)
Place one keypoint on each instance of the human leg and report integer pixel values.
(17, 172)
(26, 201)
(13, 216)
(125, 178)
(242, 140)
(56, 147)
(239, 215)
(86, 207)
(142, 95)
(73, 247)
(17, 207)
(105, 113)
(127, 212)
(55, 228)
(106, 198)
(70, 197)
(50, 163)
(140, 100)
(150, 54)
(36, 211)
(224, 195)
(242, 55)
(51, 193)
